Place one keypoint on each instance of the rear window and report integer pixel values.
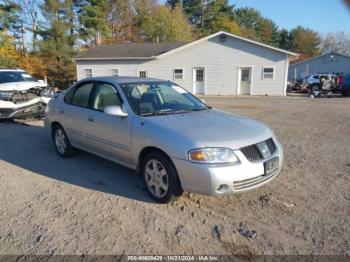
(15, 76)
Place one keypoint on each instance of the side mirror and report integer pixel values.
(115, 111)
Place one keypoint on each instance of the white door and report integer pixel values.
(245, 80)
(198, 80)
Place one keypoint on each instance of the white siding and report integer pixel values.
(221, 61)
(322, 64)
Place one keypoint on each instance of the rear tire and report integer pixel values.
(61, 141)
(161, 178)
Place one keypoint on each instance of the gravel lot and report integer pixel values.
(87, 205)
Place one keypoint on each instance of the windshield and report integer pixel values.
(159, 98)
(15, 76)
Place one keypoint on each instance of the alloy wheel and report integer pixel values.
(156, 178)
(60, 141)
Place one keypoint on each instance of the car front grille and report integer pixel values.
(252, 153)
(271, 145)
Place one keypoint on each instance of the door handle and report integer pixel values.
(61, 111)
(91, 119)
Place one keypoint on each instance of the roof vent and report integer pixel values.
(222, 38)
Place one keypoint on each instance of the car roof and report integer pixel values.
(126, 79)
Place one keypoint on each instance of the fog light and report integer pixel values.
(222, 188)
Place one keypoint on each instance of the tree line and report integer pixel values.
(43, 36)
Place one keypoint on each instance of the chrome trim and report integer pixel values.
(253, 182)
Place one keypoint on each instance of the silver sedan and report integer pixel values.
(171, 138)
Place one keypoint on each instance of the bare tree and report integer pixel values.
(30, 16)
(336, 43)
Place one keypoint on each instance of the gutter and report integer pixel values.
(114, 58)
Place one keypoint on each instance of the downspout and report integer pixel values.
(286, 75)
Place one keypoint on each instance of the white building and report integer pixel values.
(219, 64)
(328, 63)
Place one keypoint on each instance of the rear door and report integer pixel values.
(107, 135)
(74, 112)
(245, 80)
(198, 80)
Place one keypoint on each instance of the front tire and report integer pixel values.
(61, 141)
(161, 178)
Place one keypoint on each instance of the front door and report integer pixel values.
(108, 135)
(245, 80)
(198, 80)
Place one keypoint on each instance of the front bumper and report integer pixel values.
(34, 107)
(209, 179)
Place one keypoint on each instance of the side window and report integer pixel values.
(68, 96)
(105, 95)
(82, 94)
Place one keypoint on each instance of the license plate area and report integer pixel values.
(271, 166)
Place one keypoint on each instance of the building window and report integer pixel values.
(114, 71)
(199, 75)
(178, 73)
(142, 73)
(88, 72)
(268, 72)
(245, 75)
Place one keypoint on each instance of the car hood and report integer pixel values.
(214, 128)
(20, 86)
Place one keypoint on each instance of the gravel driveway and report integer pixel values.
(87, 205)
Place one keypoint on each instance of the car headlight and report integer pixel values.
(47, 93)
(212, 155)
(6, 95)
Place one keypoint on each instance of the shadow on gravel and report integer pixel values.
(29, 147)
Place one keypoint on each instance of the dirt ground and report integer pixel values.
(87, 205)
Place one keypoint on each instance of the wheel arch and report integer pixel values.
(147, 150)
(54, 124)
(151, 149)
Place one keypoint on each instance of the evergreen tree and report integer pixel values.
(284, 39)
(93, 21)
(173, 3)
(56, 47)
(195, 9)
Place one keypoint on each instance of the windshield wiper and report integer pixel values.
(170, 112)
(157, 113)
(198, 109)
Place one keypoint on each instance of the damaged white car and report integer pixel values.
(21, 95)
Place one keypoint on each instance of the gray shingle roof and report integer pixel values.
(129, 51)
